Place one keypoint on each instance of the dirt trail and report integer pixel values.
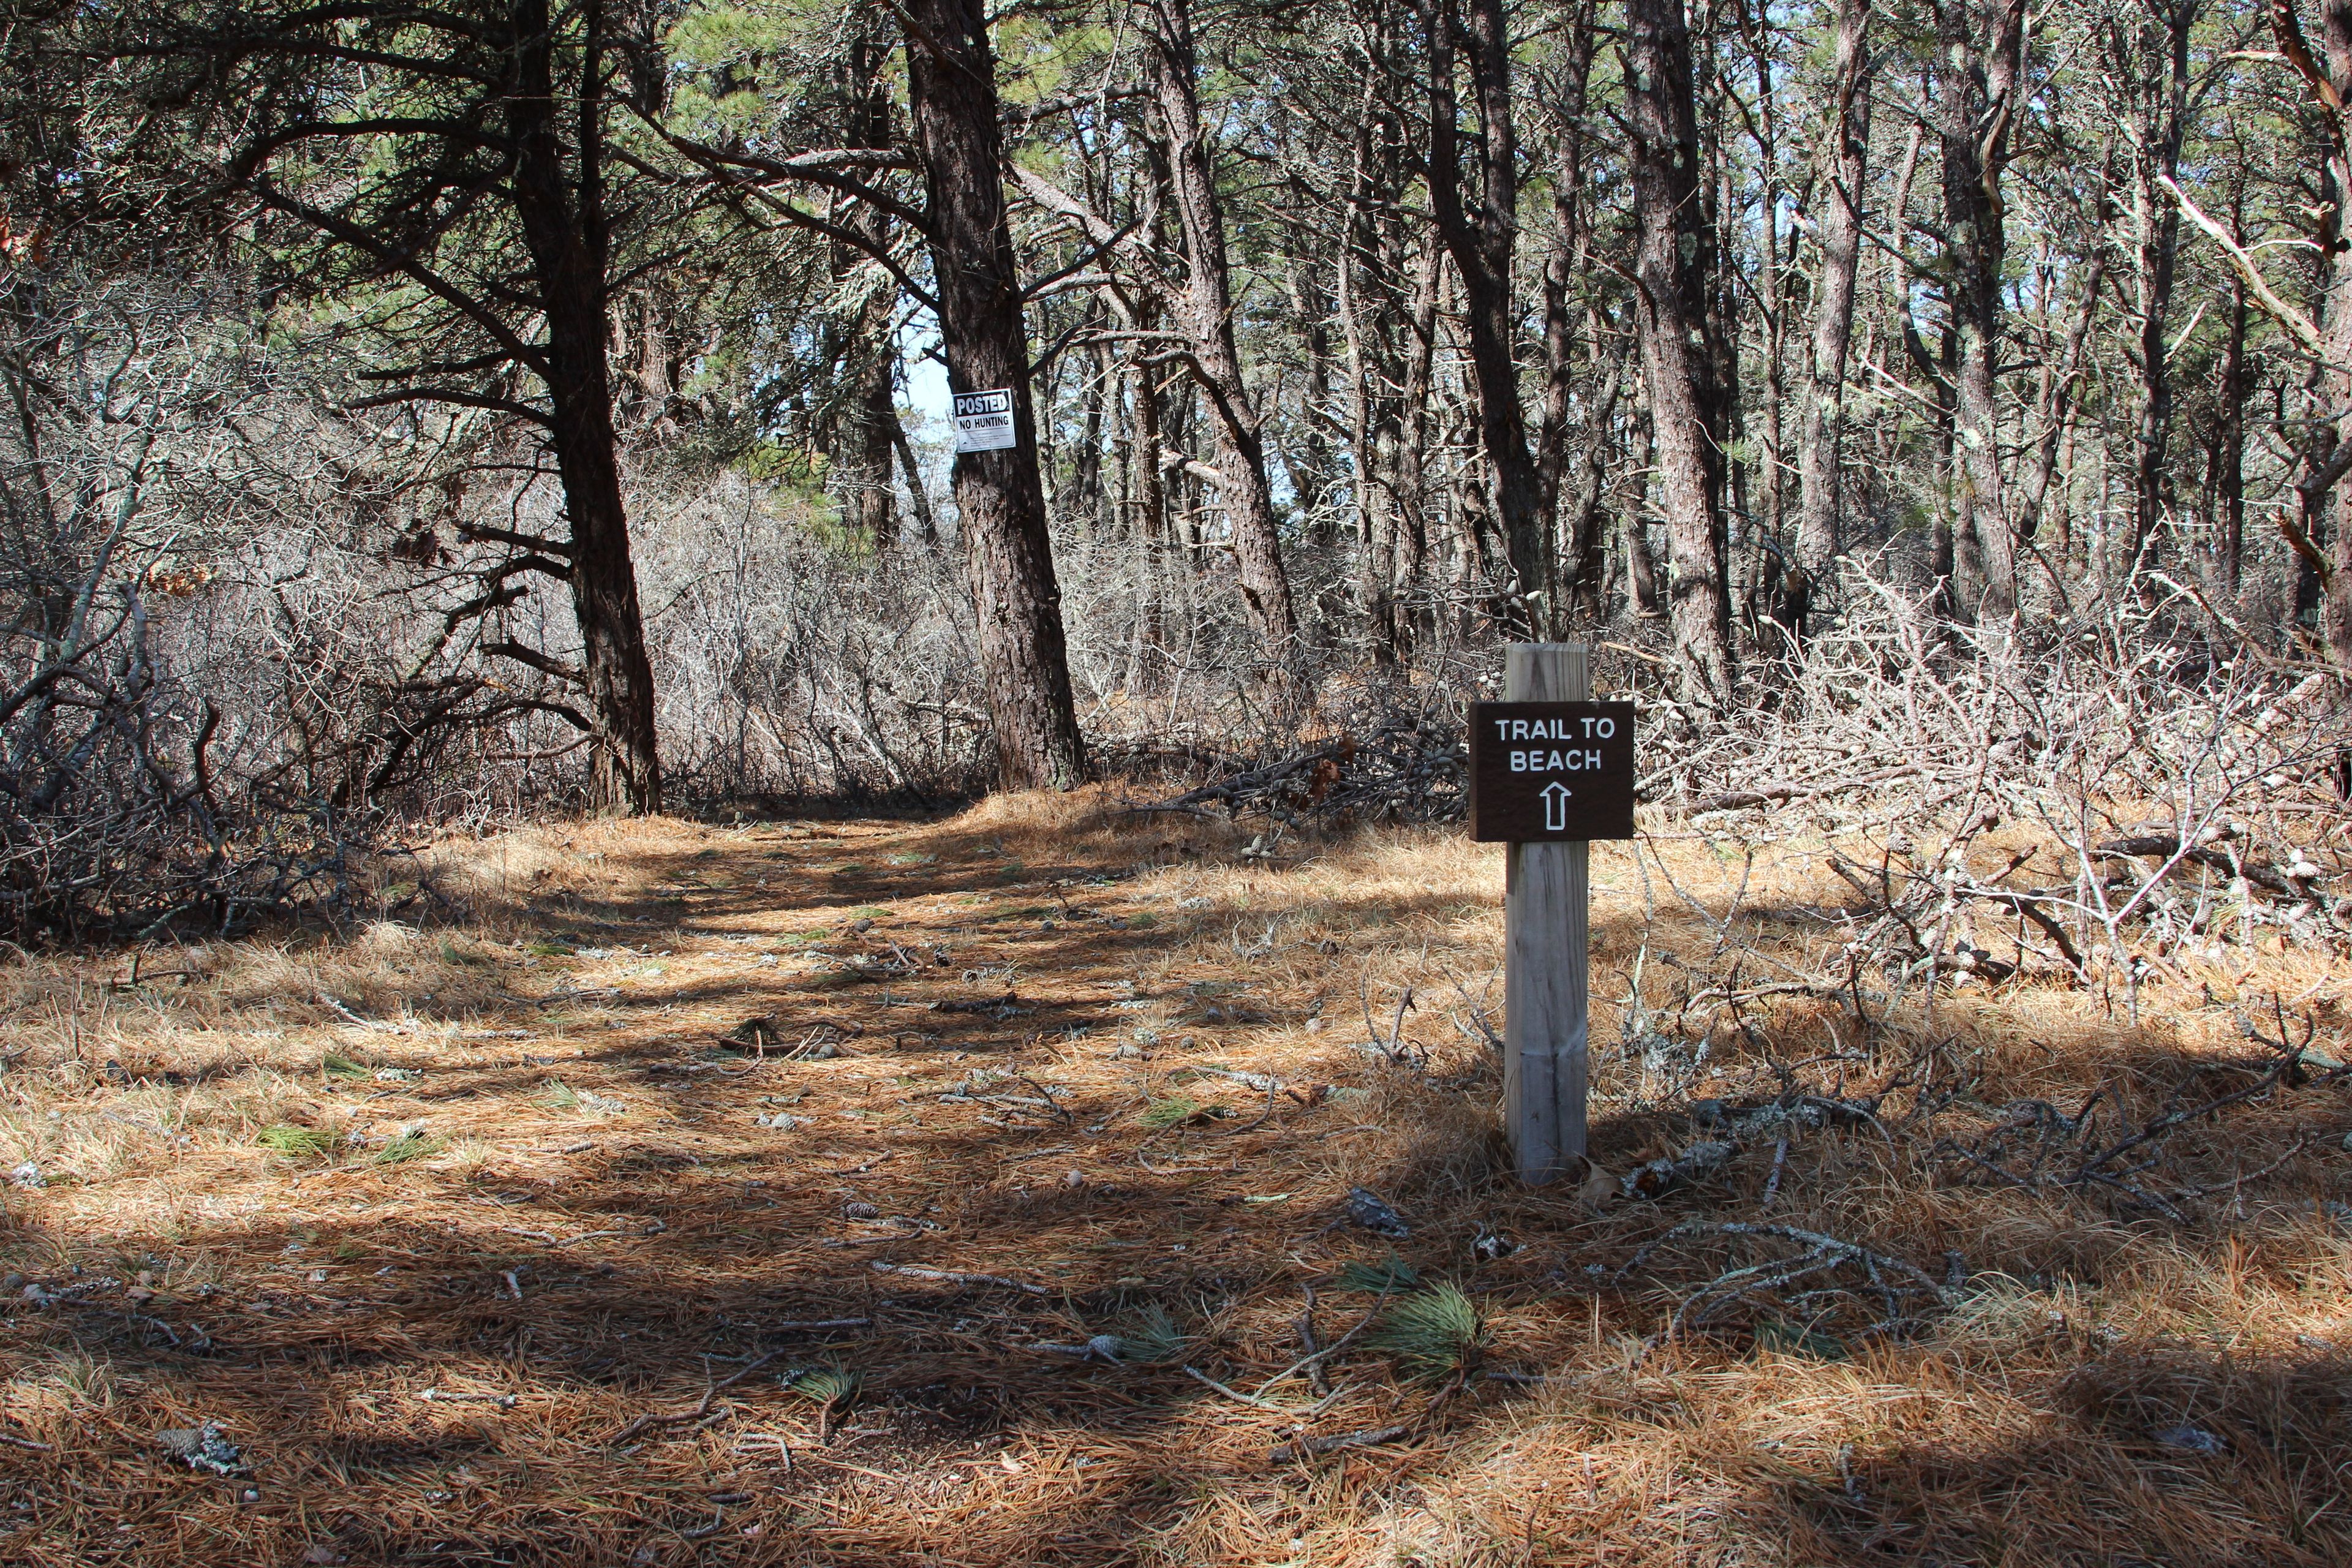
(970, 1191)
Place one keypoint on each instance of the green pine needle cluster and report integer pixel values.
(1434, 1334)
(1154, 1339)
(834, 1386)
(296, 1140)
(409, 1146)
(1392, 1274)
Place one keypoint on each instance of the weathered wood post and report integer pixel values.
(1547, 911)
(1550, 770)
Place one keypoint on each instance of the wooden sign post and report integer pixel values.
(1550, 770)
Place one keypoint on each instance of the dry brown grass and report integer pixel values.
(590, 1226)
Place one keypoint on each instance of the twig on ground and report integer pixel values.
(702, 1406)
(957, 1277)
(1311, 1446)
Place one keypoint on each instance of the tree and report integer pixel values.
(1201, 301)
(951, 94)
(1979, 84)
(447, 176)
(2326, 453)
(1842, 166)
(1481, 237)
(956, 136)
(1673, 265)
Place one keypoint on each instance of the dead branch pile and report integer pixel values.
(1401, 767)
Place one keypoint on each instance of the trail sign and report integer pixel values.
(1550, 772)
(984, 420)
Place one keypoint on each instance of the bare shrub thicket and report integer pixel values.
(128, 795)
(2164, 790)
(237, 648)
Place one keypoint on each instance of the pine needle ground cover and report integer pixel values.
(986, 1191)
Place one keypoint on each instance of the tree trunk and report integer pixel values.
(1583, 509)
(1643, 597)
(1371, 421)
(2228, 485)
(1982, 58)
(1674, 264)
(1153, 578)
(2324, 504)
(1024, 664)
(863, 473)
(2056, 410)
(2158, 221)
(1208, 308)
(1844, 165)
(563, 225)
(1572, 522)
(919, 498)
(864, 467)
(1414, 426)
(1313, 471)
(1482, 242)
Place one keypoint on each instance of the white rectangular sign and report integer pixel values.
(984, 420)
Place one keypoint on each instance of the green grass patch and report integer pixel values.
(836, 1387)
(341, 1069)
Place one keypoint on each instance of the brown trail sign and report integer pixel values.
(1549, 770)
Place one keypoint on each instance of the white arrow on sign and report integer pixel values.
(1555, 799)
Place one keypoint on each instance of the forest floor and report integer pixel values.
(968, 1191)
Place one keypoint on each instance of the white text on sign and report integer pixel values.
(1600, 729)
(1554, 761)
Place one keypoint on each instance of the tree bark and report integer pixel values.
(2228, 467)
(1371, 416)
(1583, 509)
(999, 502)
(1571, 522)
(1673, 265)
(862, 474)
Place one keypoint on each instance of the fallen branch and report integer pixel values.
(1311, 1446)
(2168, 846)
